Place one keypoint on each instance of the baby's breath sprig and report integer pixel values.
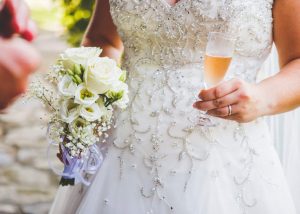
(54, 73)
(45, 94)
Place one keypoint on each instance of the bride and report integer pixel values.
(161, 159)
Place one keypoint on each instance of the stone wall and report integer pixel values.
(27, 185)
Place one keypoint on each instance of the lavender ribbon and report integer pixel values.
(76, 168)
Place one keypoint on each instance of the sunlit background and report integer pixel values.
(27, 185)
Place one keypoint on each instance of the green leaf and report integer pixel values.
(77, 69)
(74, 79)
(70, 72)
(82, 68)
(77, 14)
(115, 95)
(78, 79)
(123, 76)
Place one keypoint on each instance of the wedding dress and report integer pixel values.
(285, 132)
(161, 159)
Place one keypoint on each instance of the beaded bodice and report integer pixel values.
(160, 138)
(171, 36)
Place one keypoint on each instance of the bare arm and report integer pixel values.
(282, 91)
(102, 32)
(277, 94)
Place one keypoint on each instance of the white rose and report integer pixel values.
(90, 113)
(79, 56)
(67, 87)
(101, 74)
(84, 96)
(69, 111)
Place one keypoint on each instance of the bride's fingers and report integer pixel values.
(218, 103)
(224, 111)
(220, 90)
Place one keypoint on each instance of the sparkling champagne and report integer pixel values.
(215, 68)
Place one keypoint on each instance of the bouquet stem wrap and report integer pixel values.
(75, 168)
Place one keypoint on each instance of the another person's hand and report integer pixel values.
(15, 20)
(18, 59)
(246, 101)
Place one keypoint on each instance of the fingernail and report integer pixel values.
(194, 105)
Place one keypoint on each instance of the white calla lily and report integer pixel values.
(69, 111)
(84, 96)
(67, 87)
(91, 113)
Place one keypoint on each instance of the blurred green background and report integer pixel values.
(71, 16)
(27, 185)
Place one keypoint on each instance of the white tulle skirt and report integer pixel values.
(285, 133)
(162, 161)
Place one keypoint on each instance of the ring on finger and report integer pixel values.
(229, 110)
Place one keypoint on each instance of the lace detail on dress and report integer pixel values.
(172, 36)
(164, 48)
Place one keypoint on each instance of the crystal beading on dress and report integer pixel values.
(177, 35)
(157, 33)
(167, 162)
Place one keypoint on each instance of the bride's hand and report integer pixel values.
(246, 101)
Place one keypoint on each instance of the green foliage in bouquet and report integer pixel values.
(77, 14)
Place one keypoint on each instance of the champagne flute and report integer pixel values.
(218, 56)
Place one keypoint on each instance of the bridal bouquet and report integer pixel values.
(83, 91)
